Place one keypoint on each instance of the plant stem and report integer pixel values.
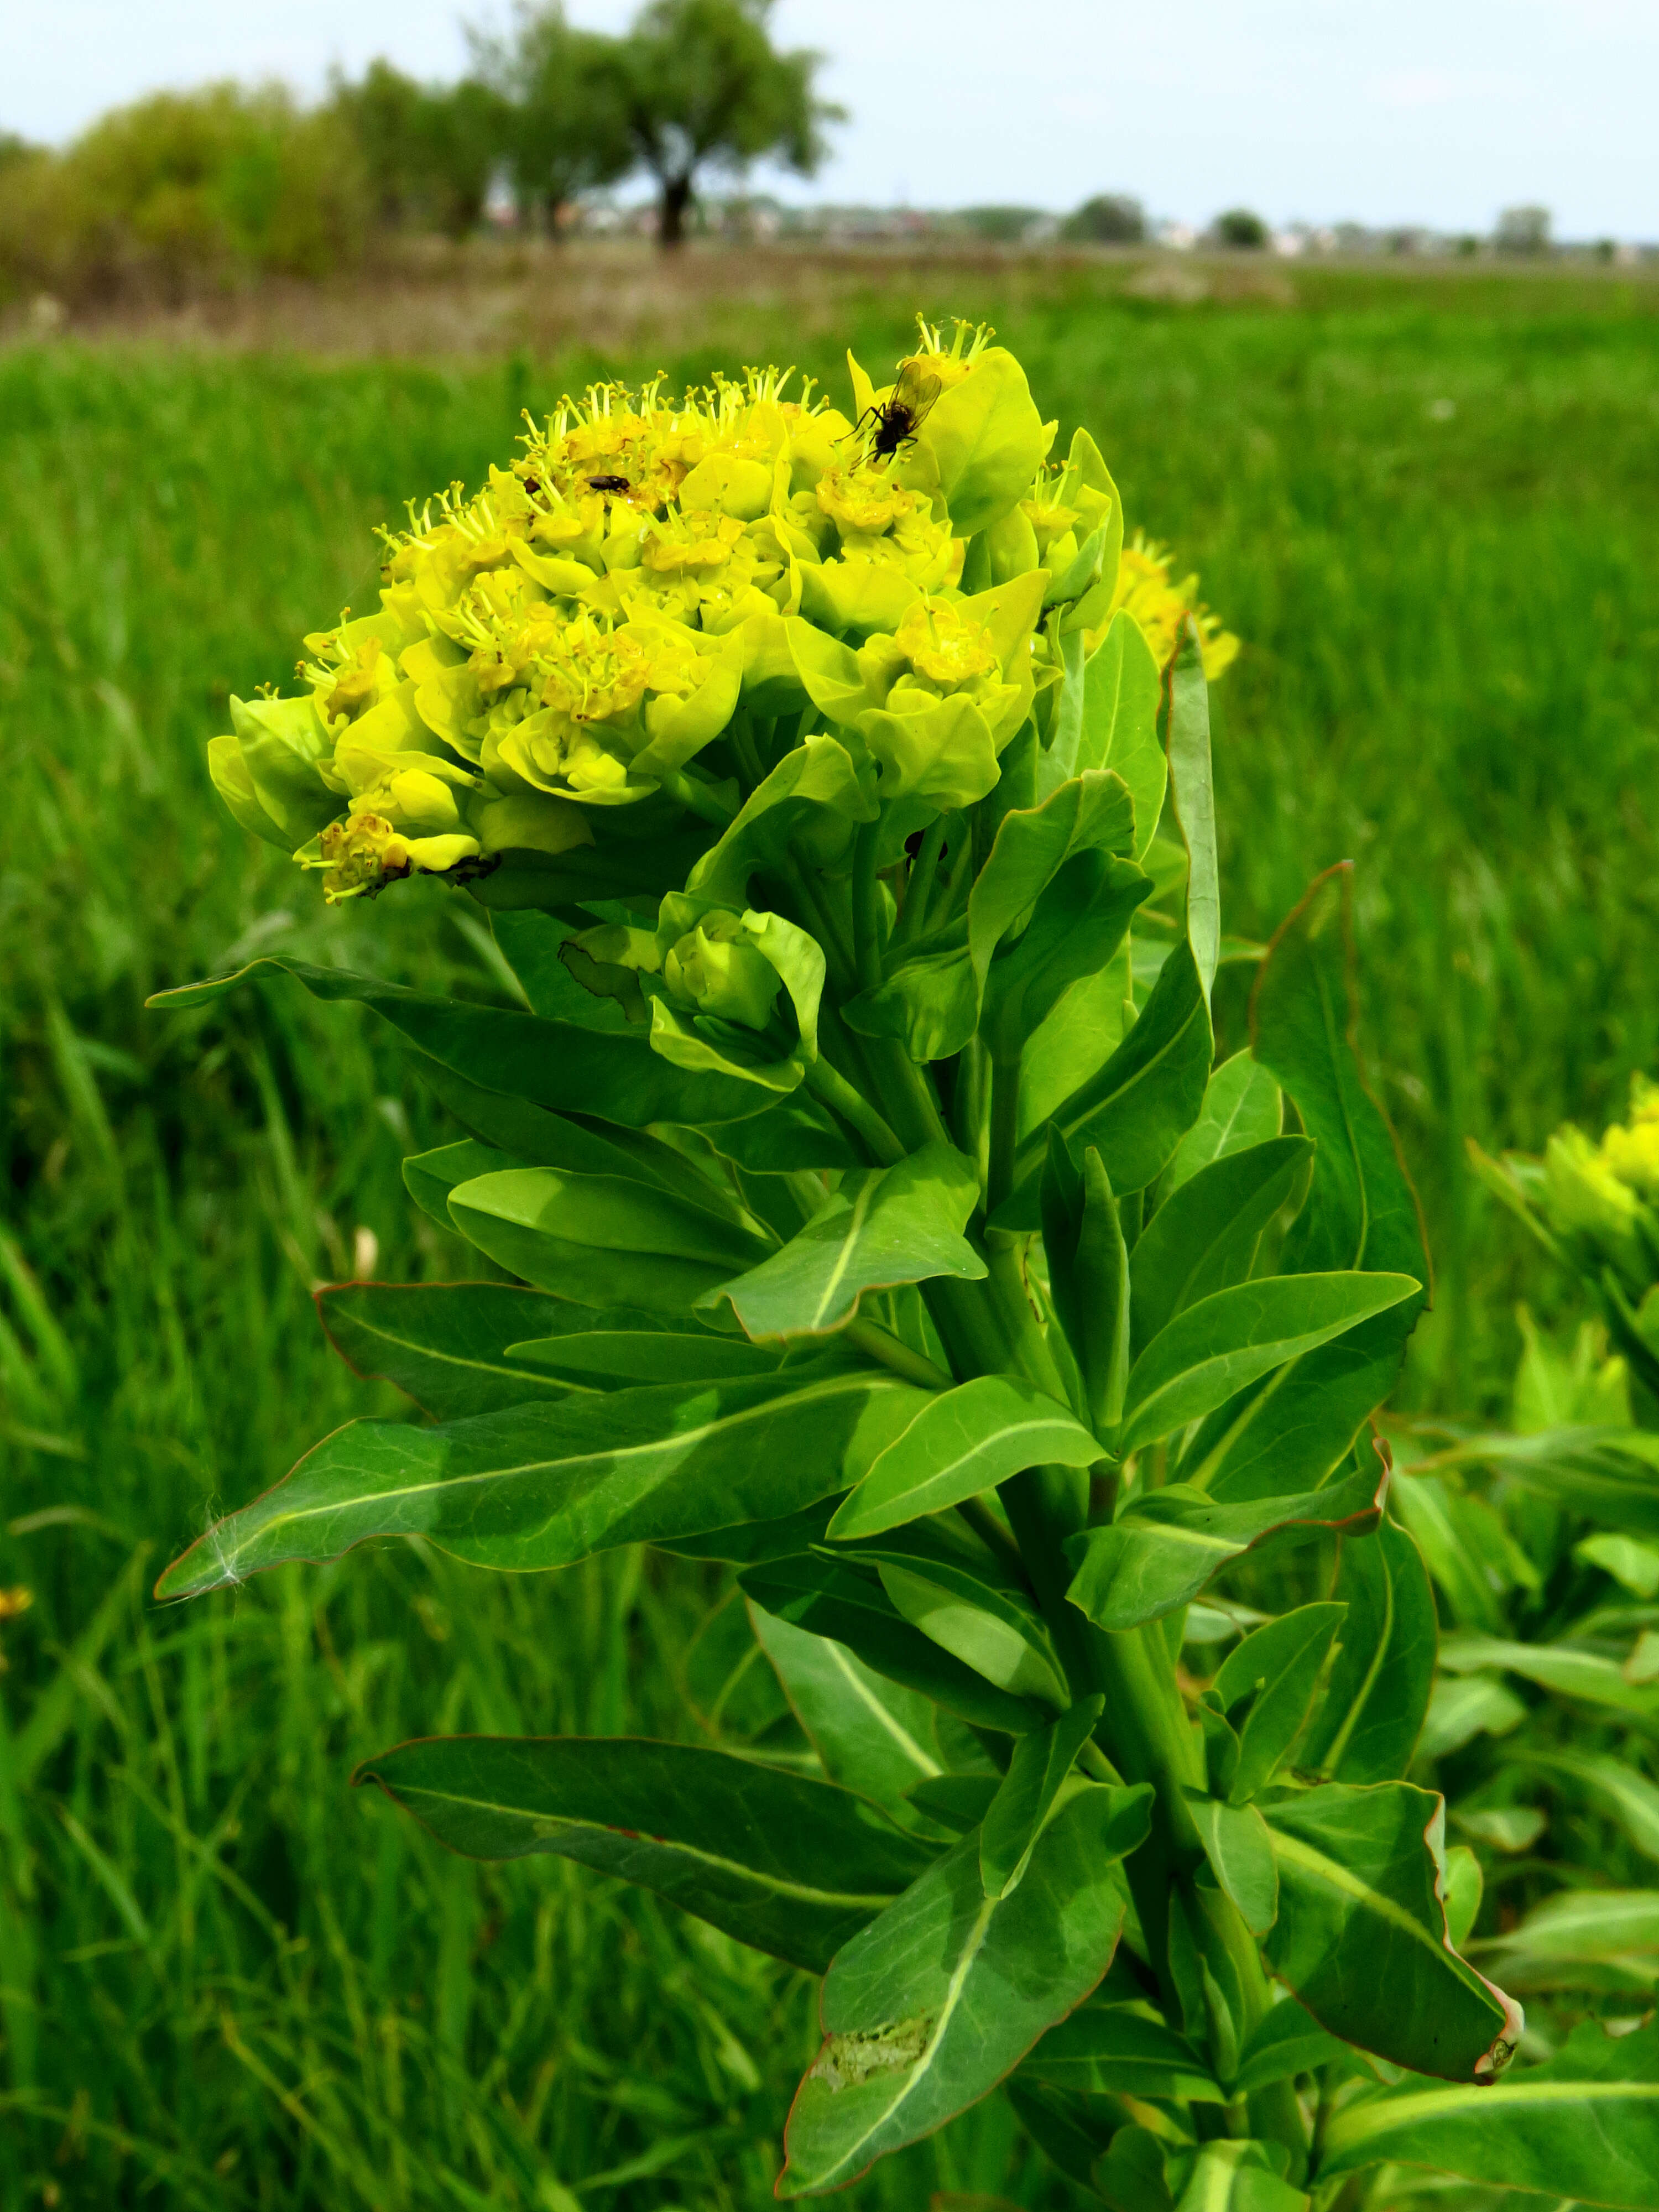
(871, 1337)
(1004, 1129)
(866, 906)
(697, 797)
(920, 888)
(827, 1083)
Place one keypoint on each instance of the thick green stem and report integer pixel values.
(698, 797)
(871, 1337)
(1004, 1129)
(867, 908)
(920, 888)
(828, 1084)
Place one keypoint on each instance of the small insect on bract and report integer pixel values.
(901, 414)
(609, 483)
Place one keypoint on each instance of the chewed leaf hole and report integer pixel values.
(846, 2060)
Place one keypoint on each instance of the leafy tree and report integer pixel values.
(704, 87)
(567, 120)
(1240, 229)
(428, 152)
(1109, 219)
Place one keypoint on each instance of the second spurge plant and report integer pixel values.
(886, 1230)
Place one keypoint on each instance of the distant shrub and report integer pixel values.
(1523, 230)
(428, 152)
(184, 191)
(1000, 226)
(1109, 219)
(1240, 229)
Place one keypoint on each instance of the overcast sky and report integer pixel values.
(1438, 112)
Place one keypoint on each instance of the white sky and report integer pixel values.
(1383, 110)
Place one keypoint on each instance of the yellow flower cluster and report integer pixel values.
(574, 637)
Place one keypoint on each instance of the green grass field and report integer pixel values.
(224, 1980)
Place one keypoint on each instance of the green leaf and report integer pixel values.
(1018, 1813)
(1203, 1238)
(882, 1226)
(1448, 1529)
(1160, 1553)
(962, 1442)
(1083, 1032)
(1194, 799)
(1608, 1475)
(1461, 1708)
(1368, 1722)
(1587, 1677)
(1137, 1108)
(830, 1600)
(986, 440)
(607, 1358)
(1090, 813)
(540, 1486)
(1242, 1107)
(810, 803)
(445, 1344)
(1122, 695)
(927, 2007)
(1614, 1787)
(556, 1065)
(1272, 1675)
(600, 1239)
(1088, 1275)
(1464, 1887)
(1241, 1854)
(1361, 1934)
(790, 1865)
(532, 943)
(929, 1002)
(1286, 2041)
(1584, 2126)
(1082, 918)
(1122, 2050)
(428, 1177)
(956, 1801)
(958, 1595)
(1217, 1347)
(873, 1735)
(1582, 1939)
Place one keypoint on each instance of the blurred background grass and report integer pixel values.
(224, 1981)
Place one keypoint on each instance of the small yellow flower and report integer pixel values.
(1630, 1152)
(943, 647)
(1161, 608)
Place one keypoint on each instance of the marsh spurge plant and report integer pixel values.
(881, 1225)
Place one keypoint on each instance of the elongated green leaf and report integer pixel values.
(1167, 1546)
(1241, 1854)
(791, 1865)
(1608, 1475)
(1585, 1676)
(884, 1225)
(992, 1628)
(1092, 812)
(531, 942)
(1122, 693)
(836, 1602)
(962, 1442)
(1368, 1722)
(1584, 2126)
(1582, 1939)
(873, 1735)
(1613, 1786)
(1194, 800)
(1462, 1543)
(1081, 919)
(428, 1177)
(445, 1344)
(601, 1240)
(557, 1065)
(1361, 1934)
(927, 2009)
(1122, 2050)
(612, 1359)
(1462, 1707)
(1137, 1108)
(1287, 2041)
(1265, 1684)
(1237, 2177)
(1088, 1259)
(1203, 1238)
(1016, 1816)
(1242, 1107)
(540, 1486)
(1224, 1343)
(1291, 1430)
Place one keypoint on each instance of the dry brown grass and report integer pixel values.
(425, 299)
